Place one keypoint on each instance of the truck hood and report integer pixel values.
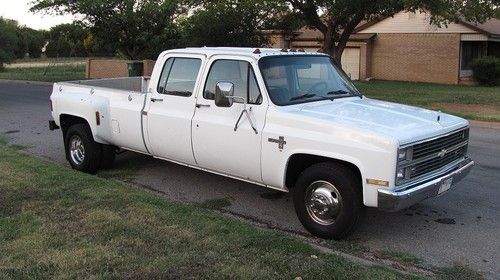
(404, 123)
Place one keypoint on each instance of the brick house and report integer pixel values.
(406, 47)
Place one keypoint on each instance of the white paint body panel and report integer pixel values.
(215, 143)
(363, 132)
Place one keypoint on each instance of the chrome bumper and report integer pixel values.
(392, 201)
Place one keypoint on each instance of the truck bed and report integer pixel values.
(135, 84)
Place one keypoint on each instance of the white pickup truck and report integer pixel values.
(284, 119)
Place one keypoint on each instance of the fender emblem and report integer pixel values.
(280, 141)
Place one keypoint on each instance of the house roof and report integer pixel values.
(489, 27)
(310, 34)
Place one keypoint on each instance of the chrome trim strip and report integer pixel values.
(432, 138)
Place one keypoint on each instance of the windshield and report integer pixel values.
(299, 79)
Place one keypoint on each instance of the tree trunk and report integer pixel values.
(332, 49)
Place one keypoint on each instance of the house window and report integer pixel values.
(470, 52)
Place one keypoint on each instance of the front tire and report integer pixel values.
(328, 201)
(82, 152)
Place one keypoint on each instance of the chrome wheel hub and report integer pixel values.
(323, 202)
(76, 150)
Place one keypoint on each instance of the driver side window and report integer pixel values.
(240, 74)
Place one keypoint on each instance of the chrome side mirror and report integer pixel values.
(223, 93)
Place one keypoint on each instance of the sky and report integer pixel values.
(19, 10)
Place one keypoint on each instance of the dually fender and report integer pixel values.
(93, 109)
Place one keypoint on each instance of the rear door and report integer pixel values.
(170, 107)
(216, 144)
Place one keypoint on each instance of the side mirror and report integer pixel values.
(223, 92)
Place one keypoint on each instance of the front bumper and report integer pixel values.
(392, 201)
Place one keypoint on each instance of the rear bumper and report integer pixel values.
(392, 201)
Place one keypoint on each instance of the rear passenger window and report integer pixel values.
(178, 76)
(240, 73)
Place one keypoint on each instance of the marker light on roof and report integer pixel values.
(257, 51)
(284, 50)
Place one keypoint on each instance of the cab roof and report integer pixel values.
(256, 53)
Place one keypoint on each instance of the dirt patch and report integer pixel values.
(466, 108)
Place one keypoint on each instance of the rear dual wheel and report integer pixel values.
(83, 153)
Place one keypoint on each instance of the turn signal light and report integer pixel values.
(97, 118)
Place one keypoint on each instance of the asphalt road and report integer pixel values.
(461, 226)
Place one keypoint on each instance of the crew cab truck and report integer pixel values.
(287, 120)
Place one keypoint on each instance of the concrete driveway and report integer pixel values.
(462, 226)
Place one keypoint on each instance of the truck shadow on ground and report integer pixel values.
(272, 207)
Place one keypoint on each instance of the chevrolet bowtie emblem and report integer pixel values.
(280, 141)
(442, 153)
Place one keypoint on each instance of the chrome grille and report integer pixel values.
(435, 146)
(436, 163)
(432, 155)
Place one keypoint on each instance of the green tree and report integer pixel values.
(140, 28)
(96, 46)
(338, 19)
(8, 41)
(66, 40)
(30, 42)
(235, 23)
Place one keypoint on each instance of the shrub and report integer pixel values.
(487, 70)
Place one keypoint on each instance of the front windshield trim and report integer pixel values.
(354, 92)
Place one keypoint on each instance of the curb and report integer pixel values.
(27, 82)
(483, 124)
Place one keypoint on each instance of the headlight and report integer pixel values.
(400, 175)
(403, 174)
(405, 154)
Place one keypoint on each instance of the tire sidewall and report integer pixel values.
(93, 152)
(351, 204)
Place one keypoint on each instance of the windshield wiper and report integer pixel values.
(341, 91)
(303, 96)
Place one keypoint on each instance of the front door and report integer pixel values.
(171, 108)
(220, 142)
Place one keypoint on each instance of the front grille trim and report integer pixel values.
(433, 154)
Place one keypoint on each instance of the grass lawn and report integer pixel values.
(58, 223)
(46, 74)
(472, 102)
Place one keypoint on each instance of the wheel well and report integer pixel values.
(67, 121)
(299, 162)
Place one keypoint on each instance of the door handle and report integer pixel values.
(202, 105)
(156, 99)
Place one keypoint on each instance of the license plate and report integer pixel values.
(445, 185)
